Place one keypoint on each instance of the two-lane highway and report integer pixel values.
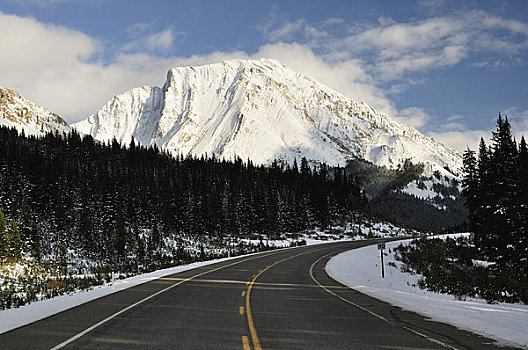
(275, 300)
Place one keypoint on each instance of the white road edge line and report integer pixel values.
(373, 313)
(89, 329)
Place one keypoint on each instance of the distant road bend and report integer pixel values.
(275, 300)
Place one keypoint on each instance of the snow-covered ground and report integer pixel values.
(360, 270)
(425, 192)
(14, 318)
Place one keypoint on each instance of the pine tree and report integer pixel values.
(305, 167)
(484, 193)
(29, 232)
(522, 223)
(523, 175)
(470, 186)
(155, 238)
(4, 237)
(15, 242)
(119, 242)
(63, 258)
(504, 190)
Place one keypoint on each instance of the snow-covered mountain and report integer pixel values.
(261, 110)
(24, 115)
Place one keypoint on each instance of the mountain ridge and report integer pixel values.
(262, 111)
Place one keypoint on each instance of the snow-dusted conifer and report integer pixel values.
(15, 242)
(470, 185)
(4, 236)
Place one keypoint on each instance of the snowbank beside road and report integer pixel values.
(14, 318)
(360, 269)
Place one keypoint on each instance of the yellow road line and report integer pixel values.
(245, 343)
(241, 310)
(243, 293)
(251, 324)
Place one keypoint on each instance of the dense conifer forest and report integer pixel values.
(110, 202)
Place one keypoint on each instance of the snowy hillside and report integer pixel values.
(17, 112)
(261, 110)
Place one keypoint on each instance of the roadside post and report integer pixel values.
(381, 246)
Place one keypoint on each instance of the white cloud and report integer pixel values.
(452, 123)
(287, 30)
(413, 116)
(345, 76)
(457, 136)
(432, 4)
(140, 28)
(454, 117)
(395, 50)
(460, 140)
(58, 67)
(290, 31)
(46, 62)
(392, 53)
(156, 42)
(332, 21)
(160, 41)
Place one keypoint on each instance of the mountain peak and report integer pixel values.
(263, 111)
(238, 63)
(24, 115)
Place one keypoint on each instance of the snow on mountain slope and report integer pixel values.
(17, 112)
(261, 110)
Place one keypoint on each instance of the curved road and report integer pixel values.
(275, 300)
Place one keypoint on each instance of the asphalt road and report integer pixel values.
(275, 300)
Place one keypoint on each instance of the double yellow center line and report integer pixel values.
(251, 323)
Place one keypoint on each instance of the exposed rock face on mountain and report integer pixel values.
(17, 112)
(261, 110)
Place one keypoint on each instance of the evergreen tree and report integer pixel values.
(504, 190)
(305, 167)
(155, 238)
(470, 186)
(15, 242)
(523, 178)
(485, 189)
(63, 258)
(4, 237)
(29, 232)
(522, 218)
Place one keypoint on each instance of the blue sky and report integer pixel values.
(445, 68)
